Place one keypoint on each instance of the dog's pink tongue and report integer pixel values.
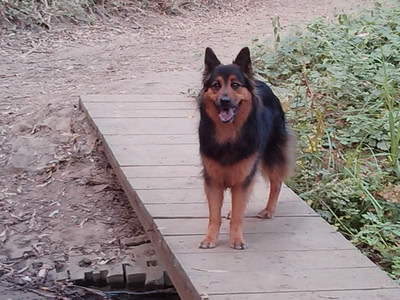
(226, 115)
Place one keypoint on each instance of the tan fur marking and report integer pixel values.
(285, 170)
(228, 176)
(240, 199)
(242, 96)
(210, 100)
(276, 176)
(246, 105)
(215, 197)
(277, 173)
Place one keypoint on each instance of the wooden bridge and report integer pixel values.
(151, 142)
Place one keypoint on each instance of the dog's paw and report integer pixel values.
(265, 214)
(238, 244)
(207, 244)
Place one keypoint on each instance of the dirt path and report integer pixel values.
(57, 193)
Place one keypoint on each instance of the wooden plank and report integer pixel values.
(261, 242)
(273, 261)
(291, 281)
(147, 126)
(148, 155)
(200, 210)
(135, 98)
(193, 182)
(132, 141)
(190, 182)
(196, 194)
(166, 171)
(260, 190)
(133, 106)
(294, 225)
(370, 294)
(144, 113)
(171, 196)
(178, 276)
(162, 171)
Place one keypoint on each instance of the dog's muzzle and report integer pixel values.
(227, 111)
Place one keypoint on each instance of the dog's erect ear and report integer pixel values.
(243, 60)
(210, 60)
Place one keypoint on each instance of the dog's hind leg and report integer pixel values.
(275, 177)
(215, 196)
(277, 166)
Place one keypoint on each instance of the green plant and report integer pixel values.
(277, 31)
(343, 83)
(44, 12)
(394, 118)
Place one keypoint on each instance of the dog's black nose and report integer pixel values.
(225, 100)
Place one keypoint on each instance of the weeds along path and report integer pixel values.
(56, 189)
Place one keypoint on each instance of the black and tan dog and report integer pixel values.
(242, 129)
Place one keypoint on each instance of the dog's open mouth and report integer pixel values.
(227, 114)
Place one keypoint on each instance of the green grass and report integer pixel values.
(341, 89)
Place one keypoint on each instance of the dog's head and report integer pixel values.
(227, 89)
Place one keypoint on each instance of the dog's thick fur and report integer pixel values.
(242, 129)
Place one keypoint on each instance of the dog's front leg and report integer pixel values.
(215, 196)
(240, 199)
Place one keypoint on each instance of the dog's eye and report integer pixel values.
(235, 85)
(216, 85)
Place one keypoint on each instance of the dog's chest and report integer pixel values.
(229, 176)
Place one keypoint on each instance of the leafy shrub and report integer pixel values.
(45, 12)
(341, 86)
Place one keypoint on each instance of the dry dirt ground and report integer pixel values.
(57, 191)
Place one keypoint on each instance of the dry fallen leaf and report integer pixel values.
(82, 223)
(3, 235)
(210, 271)
(53, 213)
(32, 221)
(106, 261)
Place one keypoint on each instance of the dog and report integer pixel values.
(242, 130)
